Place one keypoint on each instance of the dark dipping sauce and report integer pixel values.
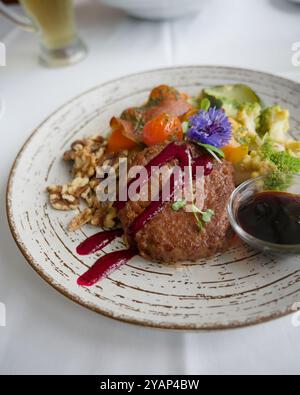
(273, 217)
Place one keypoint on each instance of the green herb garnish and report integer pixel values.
(211, 148)
(206, 217)
(185, 127)
(202, 217)
(179, 205)
(205, 104)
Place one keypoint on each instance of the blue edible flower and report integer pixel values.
(210, 127)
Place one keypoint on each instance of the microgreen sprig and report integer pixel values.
(179, 205)
(214, 151)
(202, 217)
(206, 216)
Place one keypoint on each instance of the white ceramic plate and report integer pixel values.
(239, 288)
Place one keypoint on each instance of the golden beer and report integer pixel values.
(54, 20)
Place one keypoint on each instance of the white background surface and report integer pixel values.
(47, 333)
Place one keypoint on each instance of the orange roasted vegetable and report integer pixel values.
(163, 128)
(117, 142)
(235, 152)
(163, 99)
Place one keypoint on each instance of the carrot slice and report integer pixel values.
(118, 142)
(235, 153)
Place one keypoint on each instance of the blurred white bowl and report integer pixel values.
(156, 9)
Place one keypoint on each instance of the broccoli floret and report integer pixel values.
(282, 159)
(278, 181)
(285, 162)
(285, 165)
(275, 121)
(268, 148)
(248, 116)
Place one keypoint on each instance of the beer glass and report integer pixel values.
(54, 22)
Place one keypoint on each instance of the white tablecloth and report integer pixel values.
(47, 333)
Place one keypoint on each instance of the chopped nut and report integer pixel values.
(63, 205)
(88, 155)
(81, 219)
(85, 154)
(60, 200)
(99, 216)
(78, 186)
(110, 219)
(67, 197)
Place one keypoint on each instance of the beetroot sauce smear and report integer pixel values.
(98, 241)
(170, 152)
(114, 260)
(105, 265)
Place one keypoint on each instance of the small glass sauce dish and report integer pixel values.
(266, 219)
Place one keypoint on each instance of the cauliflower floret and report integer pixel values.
(230, 107)
(274, 121)
(243, 136)
(253, 165)
(248, 116)
(293, 147)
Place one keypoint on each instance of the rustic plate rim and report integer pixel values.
(78, 300)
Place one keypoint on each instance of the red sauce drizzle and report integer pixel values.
(152, 210)
(169, 153)
(114, 260)
(104, 266)
(98, 241)
(156, 207)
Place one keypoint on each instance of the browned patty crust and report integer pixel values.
(173, 236)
